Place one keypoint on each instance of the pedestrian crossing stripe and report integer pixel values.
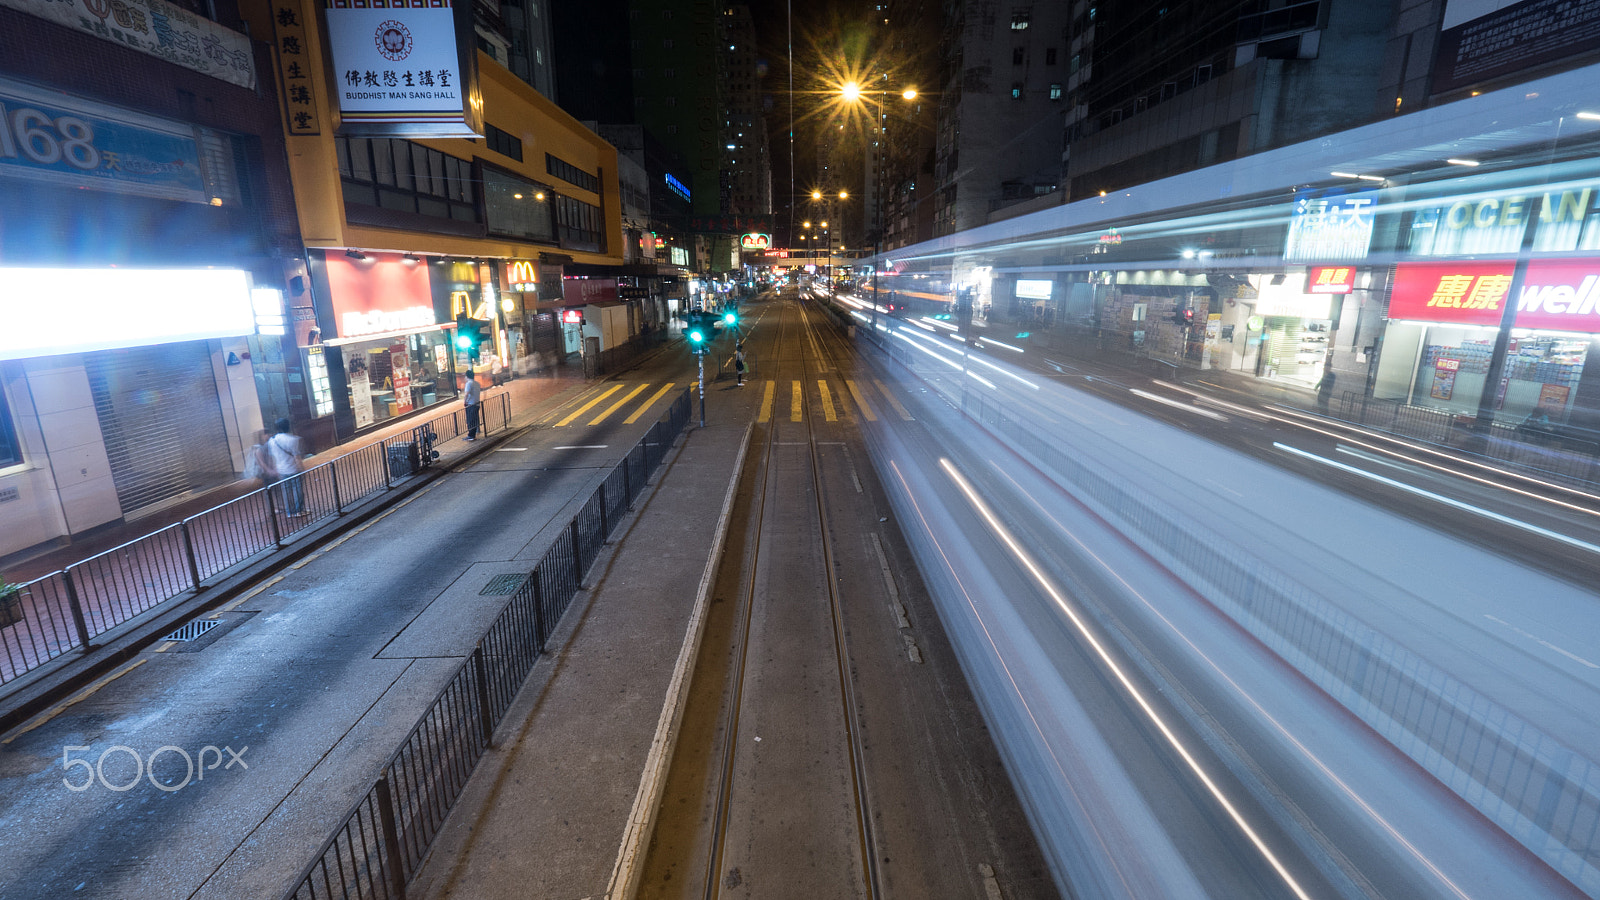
(887, 395)
(797, 402)
(588, 406)
(827, 401)
(861, 401)
(767, 396)
(619, 404)
(648, 403)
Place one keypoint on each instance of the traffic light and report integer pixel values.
(1183, 317)
(699, 336)
(730, 317)
(466, 336)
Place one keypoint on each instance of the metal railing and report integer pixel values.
(66, 610)
(377, 848)
(1542, 793)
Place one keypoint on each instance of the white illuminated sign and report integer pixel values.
(381, 320)
(397, 64)
(44, 312)
(1034, 290)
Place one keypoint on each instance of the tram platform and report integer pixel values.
(562, 804)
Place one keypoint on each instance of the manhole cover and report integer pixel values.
(504, 584)
(192, 630)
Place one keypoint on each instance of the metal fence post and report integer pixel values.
(73, 604)
(627, 479)
(272, 517)
(480, 669)
(538, 612)
(391, 836)
(577, 554)
(605, 518)
(388, 475)
(333, 472)
(188, 551)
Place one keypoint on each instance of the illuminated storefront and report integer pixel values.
(387, 346)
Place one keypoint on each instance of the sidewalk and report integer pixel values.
(550, 804)
(529, 395)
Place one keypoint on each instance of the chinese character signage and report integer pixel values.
(581, 291)
(1483, 39)
(1557, 295)
(399, 68)
(1330, 226)
(157, 28)
(55, 137)
(1331, 280)
(295, 67)
(754, 241)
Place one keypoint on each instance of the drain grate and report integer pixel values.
(192, 630)
(503, 584)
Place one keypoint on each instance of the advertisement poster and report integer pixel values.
(1553, 397)
(361, 400)
(400, 374)
(1444, 379)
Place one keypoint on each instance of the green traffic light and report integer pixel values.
(463, 342)
(697, 336)
(730, 317)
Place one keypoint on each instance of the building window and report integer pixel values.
(502, 143)
(1016, 91)
(580, 223)
(1055, 92)
(516, 207)
(666, 44)
(1020, 19)
(571, 174)
(10, 452)
(1018, 55)
(396, 174)
(1050, 56)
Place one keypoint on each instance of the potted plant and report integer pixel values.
(10, 603)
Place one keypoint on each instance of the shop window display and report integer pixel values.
(396, 376)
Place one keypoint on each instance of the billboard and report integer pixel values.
(401, 68)
(1484, 39)
(755, 241)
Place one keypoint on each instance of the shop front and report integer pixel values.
(390, 351)
(1439, 345)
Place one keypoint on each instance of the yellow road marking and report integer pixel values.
(310, 559)
(246, 596)
(892, 401)
(766, 402)
(796, 401)
(861, 401)
(827, 402)
(164, 647)
(618, 405)
(647, 404)
(590, 405)
(81, 696)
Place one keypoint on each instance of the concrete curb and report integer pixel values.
(642, 818)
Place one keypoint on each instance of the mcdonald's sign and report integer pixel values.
(522, 275)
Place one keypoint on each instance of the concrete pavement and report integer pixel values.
(577, 767)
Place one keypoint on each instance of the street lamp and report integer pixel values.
(853, 92)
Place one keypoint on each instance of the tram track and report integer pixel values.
(719, 883)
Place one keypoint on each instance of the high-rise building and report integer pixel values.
(1000, 108)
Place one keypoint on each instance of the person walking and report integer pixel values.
(258, 461)
(472, 395)
(284, 449)
(738, 362)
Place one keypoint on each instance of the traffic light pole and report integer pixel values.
(701, 358)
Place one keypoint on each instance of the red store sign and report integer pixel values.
(1557, 295)
(382, 293)
(1331, 280)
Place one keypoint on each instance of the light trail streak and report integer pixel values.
(990, 340)
(1176, 405)
(1440, 498)
(1238, 689)
(934, 322)
(1088, 819)
(1304, 421)
(1081, 625)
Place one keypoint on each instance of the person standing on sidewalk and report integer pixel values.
(472, 395)
(738, 362)
(284, 448)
